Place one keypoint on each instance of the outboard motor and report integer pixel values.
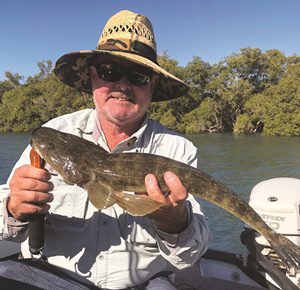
(277, 201)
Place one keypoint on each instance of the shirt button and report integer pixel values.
(105, 223)
(101, 257)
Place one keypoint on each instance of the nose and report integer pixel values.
(124, 83)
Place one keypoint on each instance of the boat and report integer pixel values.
(277, 201)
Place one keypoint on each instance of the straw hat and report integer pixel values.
(126, 35)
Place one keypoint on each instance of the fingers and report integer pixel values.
(172, 218)
(22, 203)
(29, 177)
(153, 189)
(24, 209)
(33, 197)
(29, 171)
(32, 184)
(29, 192)
(177, 192)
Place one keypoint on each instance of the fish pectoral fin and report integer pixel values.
(99, 195)
(137, 205)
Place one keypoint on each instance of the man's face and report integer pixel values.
(121, 102)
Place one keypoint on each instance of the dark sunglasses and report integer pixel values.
(112, 72)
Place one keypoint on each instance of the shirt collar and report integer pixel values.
(87, 124)
(125, 145)
(139, 133)
(97, 130)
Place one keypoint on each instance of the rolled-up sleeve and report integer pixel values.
(11, 229)
(4, 191)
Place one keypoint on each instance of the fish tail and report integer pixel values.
(286, 250)
(222, 196)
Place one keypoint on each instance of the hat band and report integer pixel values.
(125, 44)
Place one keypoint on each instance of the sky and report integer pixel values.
(37, 30)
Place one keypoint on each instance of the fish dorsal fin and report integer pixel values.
(137, 205)
(99, 195)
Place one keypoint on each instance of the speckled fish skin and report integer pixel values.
(106, 176)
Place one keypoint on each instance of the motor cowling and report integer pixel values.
(277, 201)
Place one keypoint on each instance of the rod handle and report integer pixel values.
(36, 227)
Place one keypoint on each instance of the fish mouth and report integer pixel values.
(34, 145)
(35, 148)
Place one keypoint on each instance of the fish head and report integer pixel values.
(63, 152)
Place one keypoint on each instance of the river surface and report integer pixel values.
(239, 162)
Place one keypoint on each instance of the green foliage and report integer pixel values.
(45, 71)
(56, 99)
(179, 106)
(5, 86)
(247, 92)
(278, 107)
(204, 118)
(40, 99)
(171, 65)
(243, 125)
(168, 119)
(16, 113)
(14, 79)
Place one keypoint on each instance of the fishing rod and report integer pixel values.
(36, 228)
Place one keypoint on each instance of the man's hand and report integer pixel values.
(29, 192)
(172, 218)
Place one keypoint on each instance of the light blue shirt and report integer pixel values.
(111, 248)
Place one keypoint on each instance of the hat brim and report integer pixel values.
(73, 70)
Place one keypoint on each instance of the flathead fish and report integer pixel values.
(108, 178)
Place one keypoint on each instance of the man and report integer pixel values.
(110, 248)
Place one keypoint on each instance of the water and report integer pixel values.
(11, 146)
(239, 162)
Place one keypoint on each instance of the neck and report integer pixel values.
(115, 133)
